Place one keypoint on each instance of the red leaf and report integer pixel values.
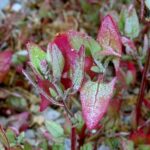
(95, 99)
(5, 62)
(63, 41)
(66, 82)
(108, 36)
(87, 66)
(45, 85)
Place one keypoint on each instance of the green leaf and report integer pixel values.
(52, 92)
(56, 60)
(54, 129)
(79, 121)
(18, 103)
(19, 57)
(127, 144)
(122, 18)
(87, 146)
(11, 136)
(36, 55)
(58, 147)
(27, 146)
(78, 39)
(113, 143)
(44, 145)
(95, 69)
(21, 137)
(132, 27)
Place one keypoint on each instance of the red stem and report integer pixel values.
(82, 136)
(142, 88)
(73, 138)
(142, 10)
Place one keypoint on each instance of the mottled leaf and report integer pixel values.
(5, 62)
(78, 69)
(109, 38)
(95, 99)
(108, 35)
(132, 27)
(36, 55)
(56, 60)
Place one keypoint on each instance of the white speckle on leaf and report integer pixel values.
(95, 99)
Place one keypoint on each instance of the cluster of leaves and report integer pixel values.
(75, 68)
(82, 61)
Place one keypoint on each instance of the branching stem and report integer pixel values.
(41, 90)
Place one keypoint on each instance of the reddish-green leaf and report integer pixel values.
(109, 38)
(70, 42)
(95, 99)
(78, 69)
(77, 39)
(44, 84)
